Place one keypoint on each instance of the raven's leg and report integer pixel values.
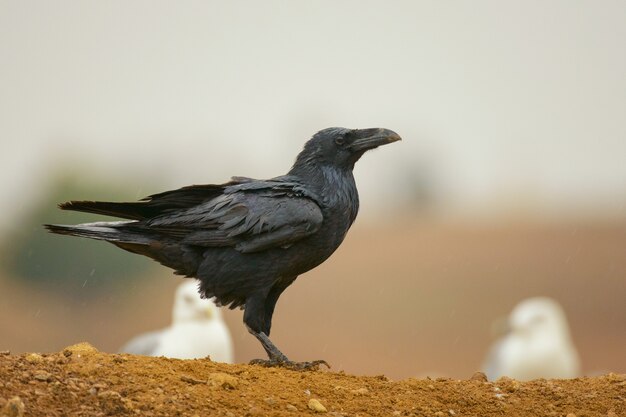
(273, 353)
(277, 358)
(272, 299)
(257, 317)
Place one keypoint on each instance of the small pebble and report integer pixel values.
(42, 376)
(80, 349)
(479, 376)
(109, 394)
(192, 380)
(571, 415)
(223, 380)
(360, 391)
(14, 408)
(316, 406)
(291, 407)
(34, 358)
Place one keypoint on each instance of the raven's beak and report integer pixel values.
(366, 139)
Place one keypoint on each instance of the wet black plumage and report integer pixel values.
(246, 240)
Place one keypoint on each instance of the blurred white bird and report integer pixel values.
(538, 344)
(197, 331)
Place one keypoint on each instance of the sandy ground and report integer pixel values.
(80, 381)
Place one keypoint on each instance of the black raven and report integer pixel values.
(247, 240)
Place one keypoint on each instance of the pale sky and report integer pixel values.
(505, 105)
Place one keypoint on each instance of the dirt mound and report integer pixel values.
(80, 381)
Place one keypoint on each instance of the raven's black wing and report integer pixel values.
(252, 217)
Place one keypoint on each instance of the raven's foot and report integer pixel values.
(278, 358)
(286, 363)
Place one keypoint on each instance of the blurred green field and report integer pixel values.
(407, 298)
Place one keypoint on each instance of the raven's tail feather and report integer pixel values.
(184, 260)
(134, 211)
(109, 231)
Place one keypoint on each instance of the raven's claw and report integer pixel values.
(294, 366)
(279, 360)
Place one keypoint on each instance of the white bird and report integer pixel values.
(197, 331)
(538, 344)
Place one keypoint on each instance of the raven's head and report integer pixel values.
(341, 147)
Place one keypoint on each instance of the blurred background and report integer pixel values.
(510, 181)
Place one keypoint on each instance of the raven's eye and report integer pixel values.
(340, 140)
